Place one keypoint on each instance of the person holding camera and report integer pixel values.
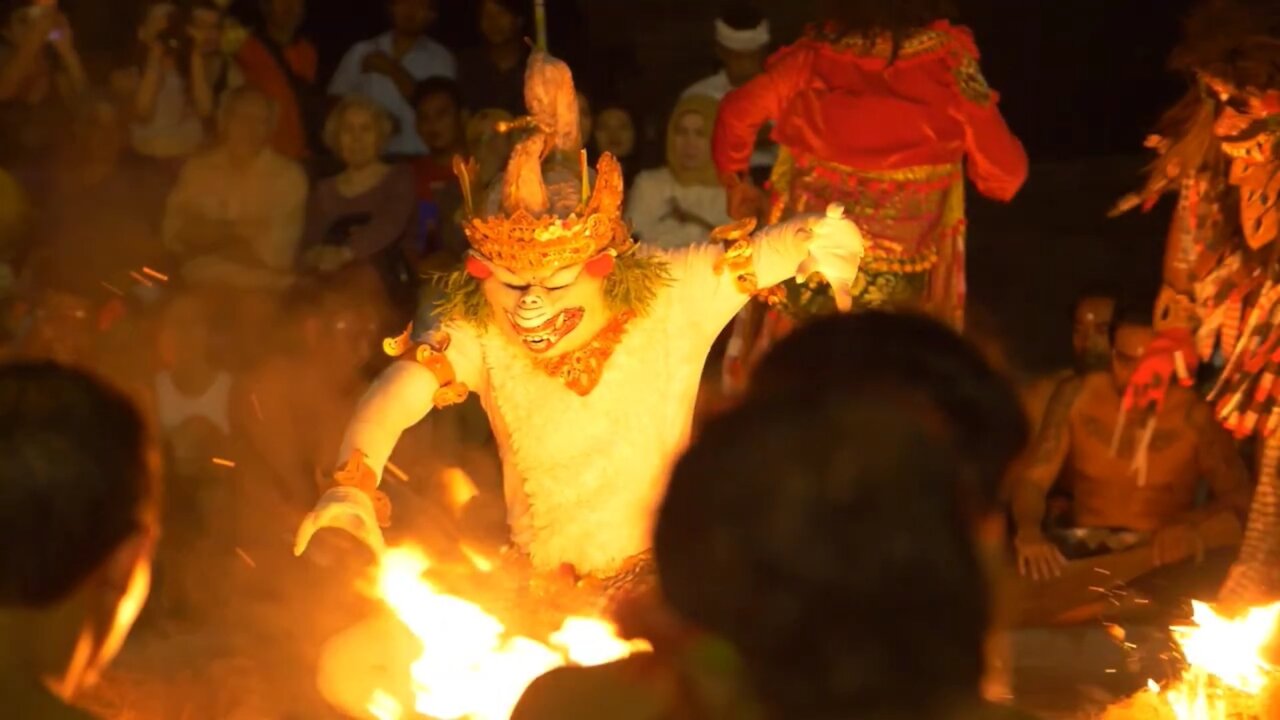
(41, 75)
(174, 91)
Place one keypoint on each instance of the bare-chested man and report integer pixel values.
(1117, 507)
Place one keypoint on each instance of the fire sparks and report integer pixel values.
(470, 667)
(1227, 674)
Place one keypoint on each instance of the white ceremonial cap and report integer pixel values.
(742, 40)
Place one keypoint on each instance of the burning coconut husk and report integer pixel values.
(434, 654)
(1230, 671)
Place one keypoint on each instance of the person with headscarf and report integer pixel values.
(682, 202)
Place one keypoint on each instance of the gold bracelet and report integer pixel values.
(357, 474)
(739, 256)
(451, 391)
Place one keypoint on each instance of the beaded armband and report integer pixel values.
(357, 474)
(431, 356)
(738, 257)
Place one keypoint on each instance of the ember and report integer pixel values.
(468, 665)
(1227, 676)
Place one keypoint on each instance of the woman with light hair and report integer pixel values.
(364, 214)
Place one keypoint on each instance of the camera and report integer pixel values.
(176, 37)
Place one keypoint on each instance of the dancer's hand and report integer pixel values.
(342, 508)
(835, 252)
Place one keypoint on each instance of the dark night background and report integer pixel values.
(1081, 82)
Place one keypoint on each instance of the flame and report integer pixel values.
(470, 666)
(1227, 672)
(459, 488)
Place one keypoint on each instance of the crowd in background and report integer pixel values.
(206, 208)
(203, 219)
(227, 236)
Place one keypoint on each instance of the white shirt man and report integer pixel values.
(427, 58)
(741, 43)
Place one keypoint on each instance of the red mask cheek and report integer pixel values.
(600, 266)
(477, 269)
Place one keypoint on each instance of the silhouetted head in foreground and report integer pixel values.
(78, 524)
(829, 526)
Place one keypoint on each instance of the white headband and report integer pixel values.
(742, 40)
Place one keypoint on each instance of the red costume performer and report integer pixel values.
(880, 121)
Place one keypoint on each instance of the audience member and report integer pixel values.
(35, 84)
(1135, 478)
(365, 213)
(681, 203)
(191, 396)
(442, 127)
(113, 231)
(387, 68)
(742, 39)
(175, 89)
(79, 511)
(15, 225)
(615, 131)
(488, 144)
(281, 64)
(236, 216)
(492, 75)
(190, 388)
(61, 324)
(294, 406)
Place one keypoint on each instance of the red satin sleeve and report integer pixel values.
(745, 110)
(997, 162)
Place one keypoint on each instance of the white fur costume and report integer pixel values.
(583, 475)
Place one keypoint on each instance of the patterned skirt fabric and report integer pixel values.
(912, 218)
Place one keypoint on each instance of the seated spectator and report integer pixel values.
(681, 203)
(365, 213)
(614, 131)
(1135, 479)
(236, 216)
(36, 85)
(80, 520)
(387, 69)
(294, 406)
(281, 64)
(174, 89)
(442, 127)
(191, 395)
(792, 499)
(15, 226)
(61, 322)
(113, 232)
(492, 75)
(191, 390)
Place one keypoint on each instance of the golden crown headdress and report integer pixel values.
(527, 234)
